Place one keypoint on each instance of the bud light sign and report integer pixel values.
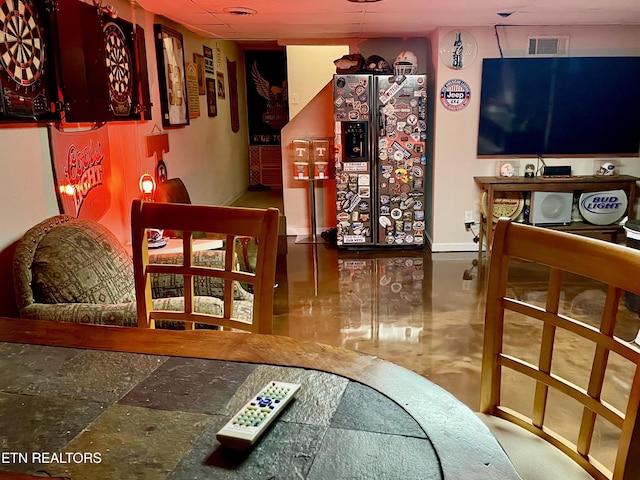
(603, 208)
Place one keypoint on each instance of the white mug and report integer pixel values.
(154, 235)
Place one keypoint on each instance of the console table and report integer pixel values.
(582, 183)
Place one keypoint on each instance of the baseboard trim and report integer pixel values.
(454, 247)
(235, 198)
(302, 231)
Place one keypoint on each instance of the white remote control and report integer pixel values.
(246, 426)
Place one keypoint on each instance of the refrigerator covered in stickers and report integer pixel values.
(400, 159)
(380, 133)
(353, 147)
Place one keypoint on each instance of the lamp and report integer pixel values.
(147, 186)
(155, 236)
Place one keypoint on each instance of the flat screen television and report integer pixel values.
(561, 106)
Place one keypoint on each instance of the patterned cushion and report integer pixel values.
(124, 314)
(82, 262)
(172, 285)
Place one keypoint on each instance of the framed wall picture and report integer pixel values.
(212, 106)
(208, 60)
(171, 76)
(199, 61)
(192, 90)
(220, 77)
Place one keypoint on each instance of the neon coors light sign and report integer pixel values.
(82, 166)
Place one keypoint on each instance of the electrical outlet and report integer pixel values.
(468, 216)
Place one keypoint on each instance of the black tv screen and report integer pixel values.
(568, 106)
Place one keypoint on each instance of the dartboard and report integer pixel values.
(21, 42)
(118, 61)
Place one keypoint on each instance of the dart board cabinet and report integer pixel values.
(72, 61)
(27, 74)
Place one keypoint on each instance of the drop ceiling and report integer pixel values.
(323, 21)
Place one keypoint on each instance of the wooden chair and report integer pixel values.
(174, 190)
(231, 222)
(551, 365)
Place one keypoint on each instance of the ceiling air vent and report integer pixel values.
(548, 46)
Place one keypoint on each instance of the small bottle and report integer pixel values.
(458, 49)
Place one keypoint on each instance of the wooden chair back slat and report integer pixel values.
(228, 223)
(563, 254)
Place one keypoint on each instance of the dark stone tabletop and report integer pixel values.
(87, 414)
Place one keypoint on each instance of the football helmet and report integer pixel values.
(406, 63)
(377, 65)
(607, 168)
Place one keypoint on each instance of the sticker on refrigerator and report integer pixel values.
(402, 175)
(402, 110)
(353, 203)
(390, 92)
(363, 179)
(418, 226)
(356, 167)
(396, 213)
(403, 152)
(353, 239)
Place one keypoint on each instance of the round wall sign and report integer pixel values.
(507, 204)
(455, 94)
(603, 208)
(458, 49)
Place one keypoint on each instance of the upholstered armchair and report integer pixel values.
(74, 270)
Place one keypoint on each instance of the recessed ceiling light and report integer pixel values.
(239, 11)
(364, 1)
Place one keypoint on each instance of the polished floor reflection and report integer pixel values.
(421, 310)
(425, 311)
